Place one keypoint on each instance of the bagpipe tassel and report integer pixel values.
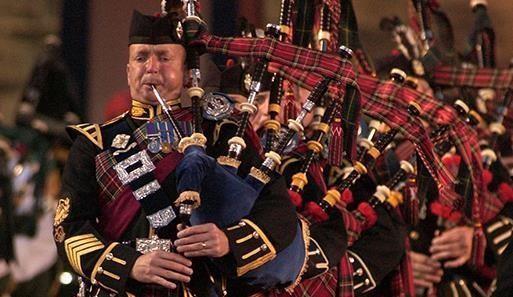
(478, 246)
(369, 214)
(487, 177)
(296, 198)
(315, 212)
(505, 192)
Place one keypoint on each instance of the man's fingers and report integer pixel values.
(173, 257)
(202, 253)
(163, 282)
(426, 269)
(442, 255)
(443, 239)
(455, 263)
(432, 278)
(198, 246)
(198, 229)
(180, 268)
(453, 246)
(196, 238)
(172, 275)
(422, 283)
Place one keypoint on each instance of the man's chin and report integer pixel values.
(147, 98)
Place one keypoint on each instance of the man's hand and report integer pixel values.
(454, 244)
(202, 240)
(162, 268)
(426, 271)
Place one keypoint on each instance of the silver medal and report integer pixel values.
(154, 145)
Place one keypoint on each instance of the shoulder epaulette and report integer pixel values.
(91, 131)
(115, 120)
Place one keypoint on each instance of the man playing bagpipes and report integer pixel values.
(115, 223)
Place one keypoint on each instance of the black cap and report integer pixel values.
(147, 29)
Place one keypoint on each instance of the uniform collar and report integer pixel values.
(142, 111)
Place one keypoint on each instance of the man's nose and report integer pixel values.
(152, 65)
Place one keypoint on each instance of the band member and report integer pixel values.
(115, 222)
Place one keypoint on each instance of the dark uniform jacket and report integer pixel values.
(95, 233)
(373, 256)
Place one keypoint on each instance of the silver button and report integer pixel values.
(366, 282)
(242, 224)
(109, 256)
(100, 270)
(351, 260)
(359, 272)
(263, 247)
(255, 235)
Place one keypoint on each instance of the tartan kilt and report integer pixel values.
(336, 282)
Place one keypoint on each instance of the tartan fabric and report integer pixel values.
(475, 78)
(337, 282)
(110, 184)
(307, 67)
(302, 66)
(324, 285)
(383, 102)
(335, 19)
(401, 284)
(381, 107)
(106, 176)
(349, 26)
(350, 115)
(461, 135)
(318, 64)
(302, 27)
(345, 278)
(349, 37)
(353, 225)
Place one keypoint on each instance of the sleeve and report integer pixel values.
(272, 223)
(378, 252)
(505, 273)
(328, 244)
(498, 231)
(79, 243)
(328, 239)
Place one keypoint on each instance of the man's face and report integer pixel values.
(161, 65)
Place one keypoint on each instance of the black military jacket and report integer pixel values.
(107, 263)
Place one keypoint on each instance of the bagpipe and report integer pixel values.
(370, 151)
(199, 176)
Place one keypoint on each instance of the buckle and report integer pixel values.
(140, 157)
(148, 245)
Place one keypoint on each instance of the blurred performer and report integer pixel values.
(6, 219)
(103, 227)
(40, 148)
(49, 101)
(371, 259)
